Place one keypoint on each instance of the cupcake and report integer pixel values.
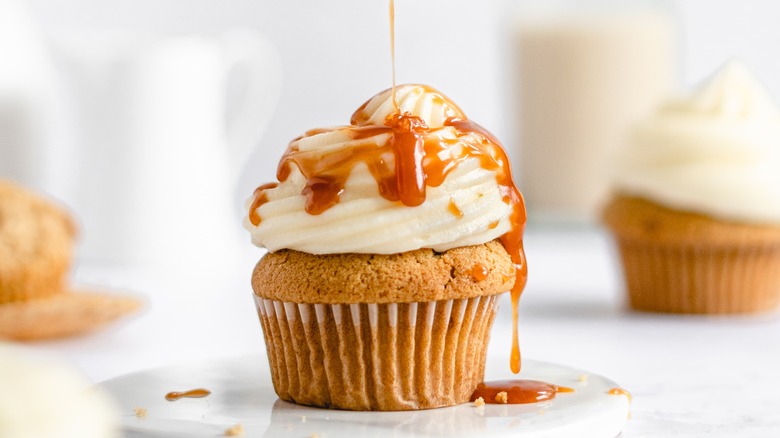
(36, 250)
(42, 398)
(36, 245)
(696, 209)
(389, 241)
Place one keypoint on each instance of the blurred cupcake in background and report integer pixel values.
(37, 301)
(42, 398)
(695, 209)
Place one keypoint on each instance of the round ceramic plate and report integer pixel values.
(242, 394)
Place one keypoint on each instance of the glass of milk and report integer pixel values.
(584, 71)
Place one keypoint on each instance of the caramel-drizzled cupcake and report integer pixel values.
(389, 241)
(696, 211)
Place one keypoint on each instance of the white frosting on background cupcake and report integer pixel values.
(716, 152)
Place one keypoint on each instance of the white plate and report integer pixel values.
(242, 393)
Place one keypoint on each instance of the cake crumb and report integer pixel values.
(237, 430)
(303, 419)
(140, 412)
(583, 378)
(479, 402)
(502, 397)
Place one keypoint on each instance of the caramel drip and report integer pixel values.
(479, 272)
(260, 198)
(513, 239)
(193, 393)
(517, 391)
(493, 224)
(619, 391)
(453, 208)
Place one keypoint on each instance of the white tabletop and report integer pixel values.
(689, 376)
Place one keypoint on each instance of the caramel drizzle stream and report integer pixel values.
(392, 50)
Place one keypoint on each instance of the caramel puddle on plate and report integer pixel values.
(517, 391)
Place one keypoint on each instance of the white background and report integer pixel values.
(690, 376)
(335, 54)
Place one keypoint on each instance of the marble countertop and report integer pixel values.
(690, 376)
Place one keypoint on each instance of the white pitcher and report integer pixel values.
(27, 98)
(163, 125)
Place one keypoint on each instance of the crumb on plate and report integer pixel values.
(479, 402)
(502, 397)
(140, 412)
(236, 430)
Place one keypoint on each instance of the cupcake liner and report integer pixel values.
(365, 356)
(701, 278)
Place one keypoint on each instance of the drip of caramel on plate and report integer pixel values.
(517, 391)
(192, 393)
(619, 391)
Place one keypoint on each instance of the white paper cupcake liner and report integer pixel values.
(396, 356)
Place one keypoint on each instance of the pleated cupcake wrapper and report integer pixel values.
(699, 278)
(377, 356)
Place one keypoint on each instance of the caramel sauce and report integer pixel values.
(479, 272)
(193, 393)
(453, 208)
(517, 391)
(392, 51)
(260, 198)
(619, 391)
(493, 224)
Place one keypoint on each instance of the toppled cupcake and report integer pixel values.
(390, 240)
(696, 210)
(36, 250)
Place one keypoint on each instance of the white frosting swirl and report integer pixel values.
(468, 208)
(716, 152)
(424, 102)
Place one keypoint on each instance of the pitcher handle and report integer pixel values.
(246, 121)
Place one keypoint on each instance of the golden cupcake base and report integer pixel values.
(700, 278)
(380, 357)
(681, 262)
